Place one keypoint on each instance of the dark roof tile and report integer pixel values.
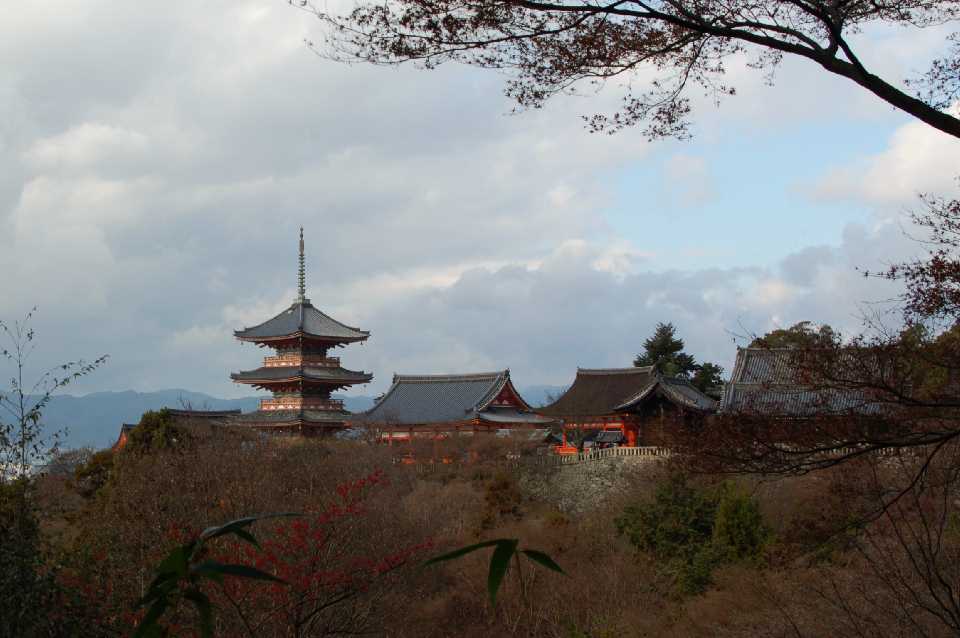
(280, 373)
(302, 317)
(424, 399)
(767, 381)
(597, 392)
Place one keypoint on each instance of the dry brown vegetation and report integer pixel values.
(821, 575)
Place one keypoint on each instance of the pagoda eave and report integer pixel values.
(266, 342)
(301, 378)
(294, 418)
(332, 387)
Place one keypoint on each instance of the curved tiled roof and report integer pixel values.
(293, 373)
(279, 418)
(600, 391)
(767, 381)
(679, 391)
(302, 318)
(423, 399)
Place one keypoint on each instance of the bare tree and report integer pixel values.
(23, 443)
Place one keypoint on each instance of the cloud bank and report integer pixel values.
(153, 175)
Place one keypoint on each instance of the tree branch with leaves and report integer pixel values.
(554, 47)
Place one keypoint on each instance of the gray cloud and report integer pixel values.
(153, 173)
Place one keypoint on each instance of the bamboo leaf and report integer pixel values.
(148, 627)
(234, 526)
(204, 608)
(463, 551)
(542, 559)
(499, 562)
(176, 561)
(210, 567)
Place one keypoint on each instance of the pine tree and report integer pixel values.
(665, 351)
(708, 378)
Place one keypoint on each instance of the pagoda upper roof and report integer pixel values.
(302, 318)
(301, 373)
(446, 398)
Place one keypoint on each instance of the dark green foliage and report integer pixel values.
(505, 550)
(691, 531)
(803, 334)
(32, 602)
(679, 519)
(23, 590)
(91, 477)
(738, 529)
(665, 351)
(708, 378)
(156, 431)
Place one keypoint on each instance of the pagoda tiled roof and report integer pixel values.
(306, 373)
(600, 391)
(302, 318)
(278, 418)
(424, 399)
(770, 382)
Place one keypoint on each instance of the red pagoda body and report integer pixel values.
(300, 374)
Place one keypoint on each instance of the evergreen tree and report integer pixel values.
(665, 351)
(708, 378)
(803, 334)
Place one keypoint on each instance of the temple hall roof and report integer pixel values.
(678, 391)
(302, 318)
(423, 399)
(598, 392)
(512, 415)
(769, 381)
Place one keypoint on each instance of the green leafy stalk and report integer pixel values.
(505, 550)
(181, 573)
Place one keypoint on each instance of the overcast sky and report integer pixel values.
(156, 163)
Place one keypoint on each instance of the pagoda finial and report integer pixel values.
(301, 274)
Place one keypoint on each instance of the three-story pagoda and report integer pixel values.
(300, 374)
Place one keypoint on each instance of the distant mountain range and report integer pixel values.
(95, 419)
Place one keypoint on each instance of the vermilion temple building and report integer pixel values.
(300, 374)
(449, 404)
(626, 406)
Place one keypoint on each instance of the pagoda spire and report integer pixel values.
(302, 274)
